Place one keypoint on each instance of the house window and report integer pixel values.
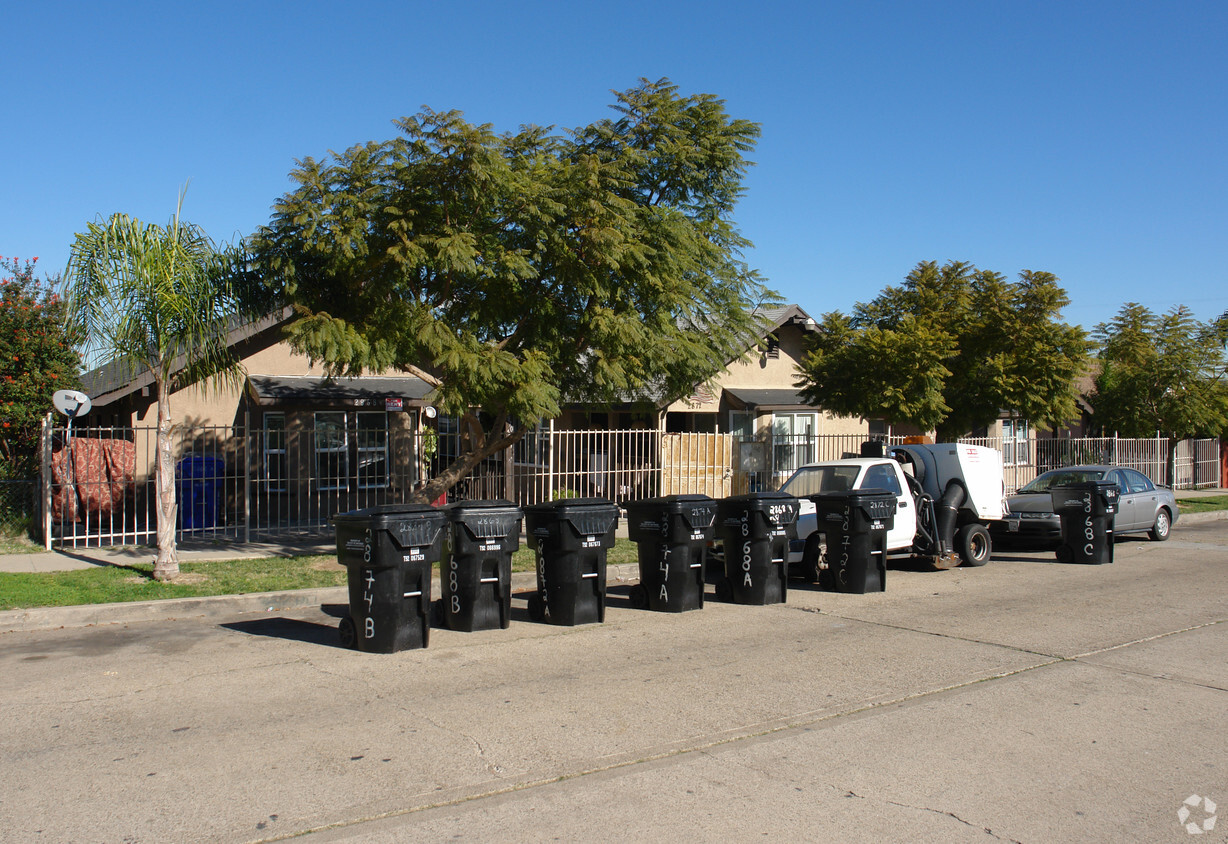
(372, 442)
(275, 452)
(331, 451)
(793, 440)
(1015, 450)
(742, 424)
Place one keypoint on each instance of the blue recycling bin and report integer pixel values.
(198, 482)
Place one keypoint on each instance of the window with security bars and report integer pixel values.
(274, 447)
(372, 450)
(1015, 450)
(332, 455)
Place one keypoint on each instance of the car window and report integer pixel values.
(882, 477)
(1061, 477)
(811, 480)
(1138, 481)
(1115, 477)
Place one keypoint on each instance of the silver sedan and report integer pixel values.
(1143, 506)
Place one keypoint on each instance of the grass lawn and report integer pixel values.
(1203, 505)
(114, 584)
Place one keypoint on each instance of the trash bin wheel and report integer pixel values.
(639, 596)
(537, 607)
(975, 547)
(724, 590)
(810, 557)
(1064, 555)
(346, 632)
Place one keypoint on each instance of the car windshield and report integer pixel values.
(1062, 477)
(811, 480)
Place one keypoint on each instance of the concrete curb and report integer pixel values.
(217, 606)
(43, 618)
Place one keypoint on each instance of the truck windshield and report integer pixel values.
(811, 480)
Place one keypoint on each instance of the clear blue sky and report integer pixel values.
(1083, 138)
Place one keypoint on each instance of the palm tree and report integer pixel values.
(158, 300)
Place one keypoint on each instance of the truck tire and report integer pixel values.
(810, 557)
(973, 544)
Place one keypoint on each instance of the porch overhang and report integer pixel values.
(767, 399)
(361, 391)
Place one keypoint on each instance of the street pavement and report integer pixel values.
(1023, 701)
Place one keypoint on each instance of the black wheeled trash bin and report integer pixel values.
(755, 530)
(570, 538)
(475, 575)
(672, 535)
(855, 524)
(388, 551)
(1087, 511)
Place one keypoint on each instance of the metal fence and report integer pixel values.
(266, 483)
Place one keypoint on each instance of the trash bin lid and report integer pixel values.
(588, 516)
(780, 507)
(200, 466)
(486, 519)
(698, 511)
(414, 525)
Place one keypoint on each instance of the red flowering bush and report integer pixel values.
(36, 359)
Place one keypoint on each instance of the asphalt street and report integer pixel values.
(1023, 701)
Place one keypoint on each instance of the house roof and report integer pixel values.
(115, 380)
(273, 390)
(769, 399)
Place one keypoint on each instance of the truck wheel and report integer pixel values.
(974, 544)
(810, 557)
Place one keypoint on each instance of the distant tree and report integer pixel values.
(156, 299)
(949, 350)
(522, 269)
(36, 359)
(1161, 375)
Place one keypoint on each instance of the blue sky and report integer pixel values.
(1087, 139)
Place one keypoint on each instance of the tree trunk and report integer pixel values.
(166, 565)
(465, 463)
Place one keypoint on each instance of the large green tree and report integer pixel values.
(36, 359)
(523, 269)
(948, 350)
(1164, 374)
(158, 299)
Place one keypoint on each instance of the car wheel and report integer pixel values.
(974, 544)
(1163, 526)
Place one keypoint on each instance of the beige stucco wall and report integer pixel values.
(198, 406)
(757, 370)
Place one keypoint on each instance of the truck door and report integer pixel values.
(887, 476)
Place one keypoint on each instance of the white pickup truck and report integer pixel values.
(946, 493)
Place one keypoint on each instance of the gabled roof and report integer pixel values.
(116, 380)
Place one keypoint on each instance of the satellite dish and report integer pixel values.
(429, 411)
(72, 403)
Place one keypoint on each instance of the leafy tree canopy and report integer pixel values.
(949, 349)
(526, 268)
(1161, 373)
(36, 359)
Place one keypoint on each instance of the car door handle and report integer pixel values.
(903, 505)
